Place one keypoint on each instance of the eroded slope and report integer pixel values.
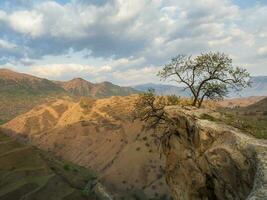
(100, 135)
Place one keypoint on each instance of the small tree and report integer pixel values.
(149, 108)
(209, 75)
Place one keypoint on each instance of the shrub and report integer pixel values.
(86, 103)
(66, 167)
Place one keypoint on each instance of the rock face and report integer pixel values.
(206, 159)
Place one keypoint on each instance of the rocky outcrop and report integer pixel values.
(207, 159)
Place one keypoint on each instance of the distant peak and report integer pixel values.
(2, 69)
(77, 82)
(9, 74)
(78, 79)
(106, 83)
(7, 70)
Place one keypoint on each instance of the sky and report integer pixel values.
(127, 41)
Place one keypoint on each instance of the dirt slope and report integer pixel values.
(258, 107)
(99, 135)
(240, 102)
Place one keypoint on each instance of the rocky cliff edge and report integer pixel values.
(207, 159)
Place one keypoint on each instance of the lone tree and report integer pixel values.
(209, 75)
(149, 108)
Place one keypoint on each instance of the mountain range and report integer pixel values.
(258, 88)
(80, 87)
(20, 92)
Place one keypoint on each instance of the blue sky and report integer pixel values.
(127, 41)
(249, 3)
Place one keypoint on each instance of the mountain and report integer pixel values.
(81, 87)
(239, 102)
(16, 84)
(258, 108)
(20, 92)
(258, 88)
(251, 118)
(29, 173)
(77, 87)
(98, 134)
(162, 89)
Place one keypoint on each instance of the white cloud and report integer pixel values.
(262, 51)
(2, 15)
(137, 76)
(7, 45)
(27, 22)
(130, 35)
(58, 70)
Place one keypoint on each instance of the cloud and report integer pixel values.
(129, 36)
(132, 77)
(116, 28)
(59, 70)
(26, 22)
(262, 51)
(7, 45)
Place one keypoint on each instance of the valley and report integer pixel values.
(133, 100)
(98, 134)
(251, 119)
(91, 126)
(29, 173)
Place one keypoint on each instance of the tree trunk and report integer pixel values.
(194, 101)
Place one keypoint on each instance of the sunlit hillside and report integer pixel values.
(98, 134)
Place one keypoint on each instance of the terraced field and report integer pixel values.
(30, 174)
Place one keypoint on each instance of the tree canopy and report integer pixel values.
(209, 75)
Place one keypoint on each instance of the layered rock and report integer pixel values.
(207, 159)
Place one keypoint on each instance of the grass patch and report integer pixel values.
(27, 170)
(208, 117)
(254, 124)
(2, 121)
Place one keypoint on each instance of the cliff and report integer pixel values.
(207, 159)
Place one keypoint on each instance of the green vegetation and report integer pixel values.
(208, 117)
(251, 119)
(33, 174)
(249, 122)
(2, 121)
